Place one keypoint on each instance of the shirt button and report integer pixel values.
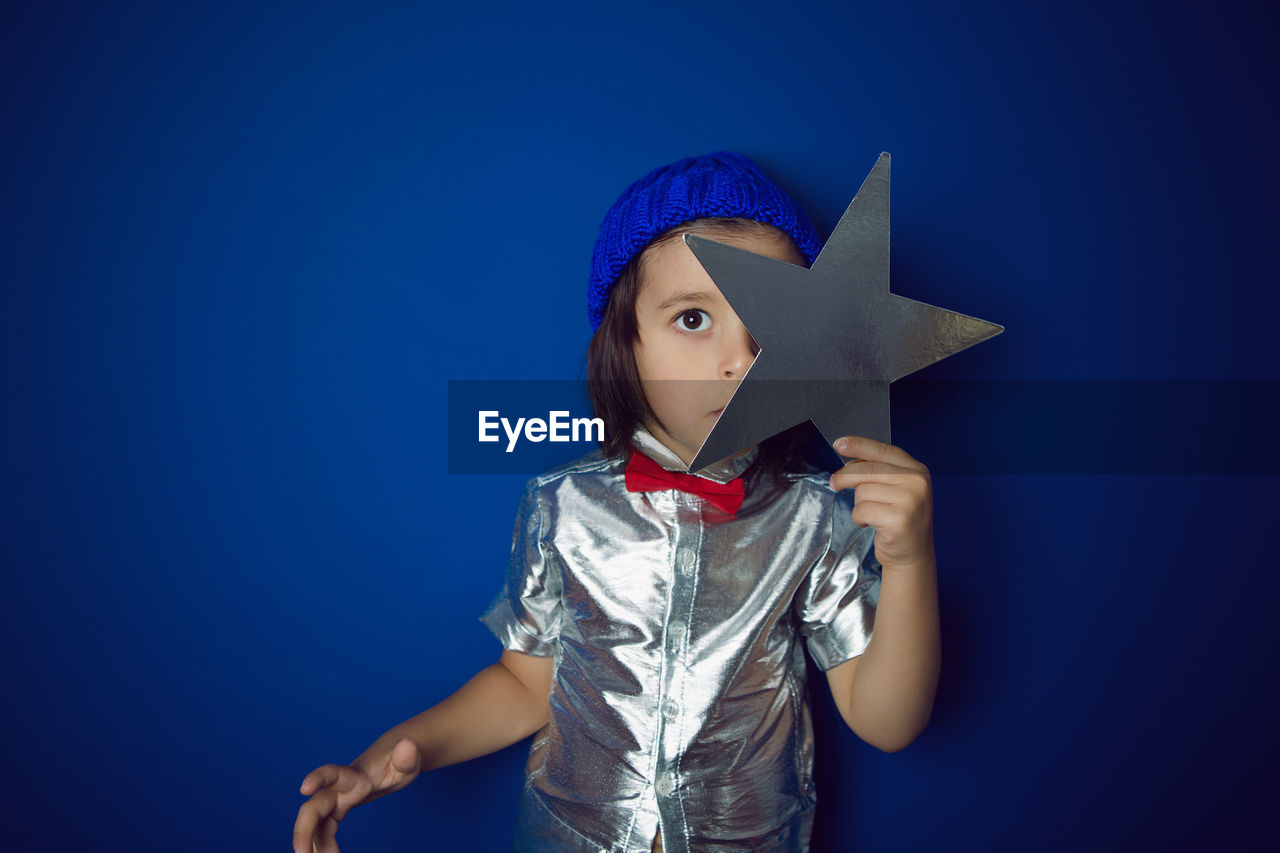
(670, 709)
(677, 630)
(666, 785)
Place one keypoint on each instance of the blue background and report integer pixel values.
(246, 245)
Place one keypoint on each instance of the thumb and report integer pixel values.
(406, 758)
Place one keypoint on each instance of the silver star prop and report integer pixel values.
(831, 337)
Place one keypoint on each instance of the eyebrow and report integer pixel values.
(686, 297)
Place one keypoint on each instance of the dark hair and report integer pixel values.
(613, 382)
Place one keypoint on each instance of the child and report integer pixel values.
(652, 619)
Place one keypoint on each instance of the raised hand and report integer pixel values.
(335, 789)
(892, 493)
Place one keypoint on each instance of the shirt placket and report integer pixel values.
(668, 782)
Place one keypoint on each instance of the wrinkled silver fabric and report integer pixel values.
(679, 700)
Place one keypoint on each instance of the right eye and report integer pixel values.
(694, 320)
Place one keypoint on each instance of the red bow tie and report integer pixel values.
(645, 475)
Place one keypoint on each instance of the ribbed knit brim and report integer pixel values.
(720, 184)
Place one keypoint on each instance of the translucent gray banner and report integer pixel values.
(956, 427)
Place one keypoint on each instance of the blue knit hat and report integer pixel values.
(720, 184)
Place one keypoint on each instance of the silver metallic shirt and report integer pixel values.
(678, 698)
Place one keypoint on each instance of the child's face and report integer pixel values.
(692, 350)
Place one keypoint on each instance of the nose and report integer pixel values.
(739, 352)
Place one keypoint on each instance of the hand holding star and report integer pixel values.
(892, 493)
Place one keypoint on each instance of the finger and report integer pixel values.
(861, 447)
(881, 516)
(313, 812)
(855, 474)
(327, 837)
(304, 828)
(327, 774)
(880, 493)
(406, 758)
(302, 835)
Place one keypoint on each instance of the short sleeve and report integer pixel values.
(836, 605)
(525, 617)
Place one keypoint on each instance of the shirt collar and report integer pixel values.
(719, 472)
